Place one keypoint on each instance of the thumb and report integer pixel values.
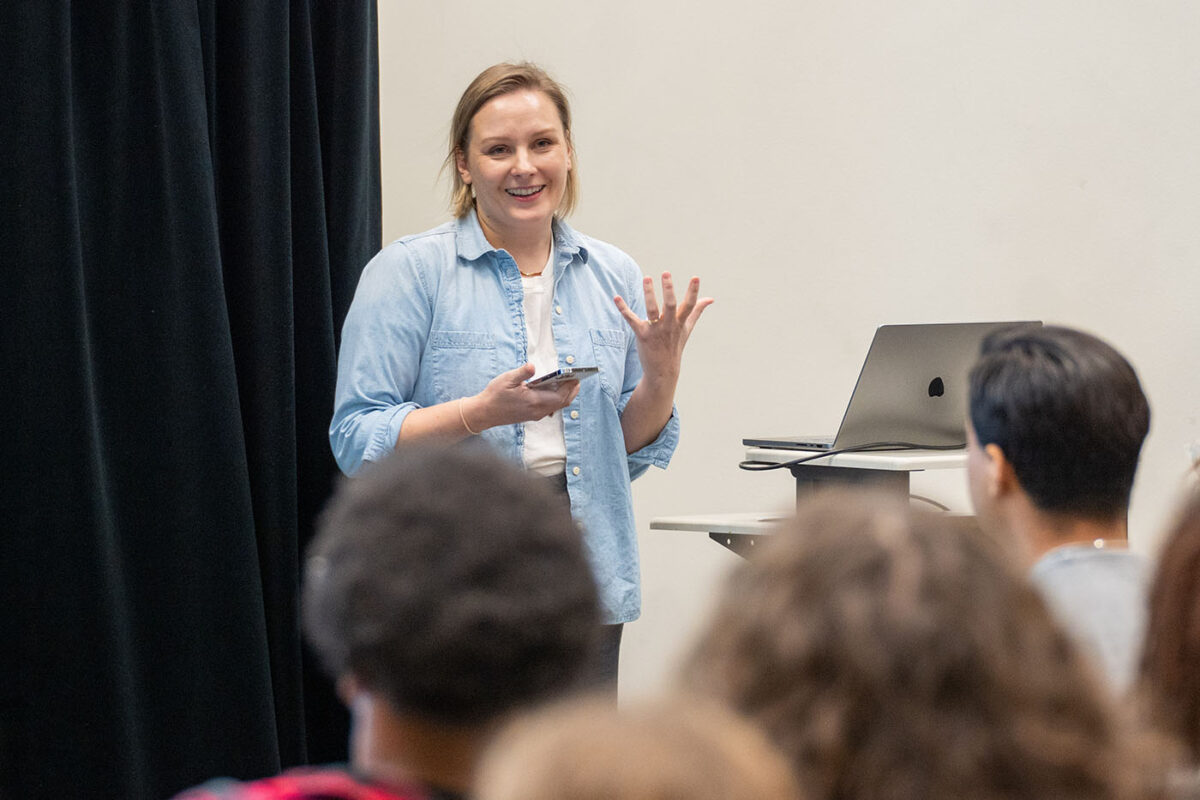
(522, 374)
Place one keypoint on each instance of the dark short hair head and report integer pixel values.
(452, 583)
(1068, 412)
(895, 654)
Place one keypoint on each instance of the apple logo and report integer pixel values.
(936, 388)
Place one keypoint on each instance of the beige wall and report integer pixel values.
(826, 168)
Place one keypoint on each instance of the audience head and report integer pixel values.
(894, 654)
(452, 584)
(1171, 659)
(678, 750)
(497, 80)
(1065, 413)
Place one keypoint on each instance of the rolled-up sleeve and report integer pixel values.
(658, 452)
(379, 363)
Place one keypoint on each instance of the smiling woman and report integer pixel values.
(517, 162)
(448, 326)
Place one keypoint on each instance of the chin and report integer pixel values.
(533, 217)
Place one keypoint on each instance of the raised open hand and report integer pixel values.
(662, 335)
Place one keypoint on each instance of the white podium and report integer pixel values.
(888, 470)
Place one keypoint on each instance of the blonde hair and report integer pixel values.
(497, 80)
(588, 750)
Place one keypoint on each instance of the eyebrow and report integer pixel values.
(535, 135)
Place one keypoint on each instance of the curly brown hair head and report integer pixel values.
(452, 583)
(893, 654)
(1171, 659)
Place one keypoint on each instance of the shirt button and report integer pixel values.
(575, 470)
(570, 359)
(558, 309)
(574, 415)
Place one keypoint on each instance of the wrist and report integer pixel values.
(467, 414)
(661, 382)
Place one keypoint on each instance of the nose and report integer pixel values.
(522, 164)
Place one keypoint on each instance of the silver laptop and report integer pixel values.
(912, 390)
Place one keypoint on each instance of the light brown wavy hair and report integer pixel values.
(1170, 669)
(497, 80)
(681, 749)
(891, 654)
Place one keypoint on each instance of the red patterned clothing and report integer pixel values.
(311, 783)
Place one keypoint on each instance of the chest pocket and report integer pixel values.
(609, 347)
(462, 363)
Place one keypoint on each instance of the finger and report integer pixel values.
(652, 312)
(693, 317)
(633, 319)
(689, 297)
(668, 286)
(571, 392)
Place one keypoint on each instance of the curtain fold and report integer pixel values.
(189, 191)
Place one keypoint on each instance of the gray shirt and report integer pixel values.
(1099, 596)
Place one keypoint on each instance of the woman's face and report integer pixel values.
(517, 159)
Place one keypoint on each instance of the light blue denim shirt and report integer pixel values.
(439, 314)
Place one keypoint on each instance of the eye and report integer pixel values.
(497, 150)
(542, 144)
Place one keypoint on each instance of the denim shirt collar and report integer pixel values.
(473, 245)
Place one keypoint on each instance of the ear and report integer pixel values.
(1000, 479)
(348, 688)
(460, 163)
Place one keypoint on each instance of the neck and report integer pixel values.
(530, 248)
(397, 748)
(1044, 532)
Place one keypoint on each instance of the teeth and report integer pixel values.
(524, 192)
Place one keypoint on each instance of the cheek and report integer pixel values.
(973, 467)
(973, 485)
(976, 478)
(555, 163)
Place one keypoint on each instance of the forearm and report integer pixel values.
(506, 400)
(648, 410)
(451, 421)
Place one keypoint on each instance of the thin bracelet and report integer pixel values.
(463, 417)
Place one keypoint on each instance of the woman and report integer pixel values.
(448, 325)
(896, 655)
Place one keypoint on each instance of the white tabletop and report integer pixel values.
(742, 522)
(891, 460)
(738, 522)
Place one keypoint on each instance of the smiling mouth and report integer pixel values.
(525, 191)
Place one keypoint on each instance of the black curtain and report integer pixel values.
(189, 191)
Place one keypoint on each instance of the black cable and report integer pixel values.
(873, 447)
(931, 501)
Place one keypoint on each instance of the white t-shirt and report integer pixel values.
(545, 448)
